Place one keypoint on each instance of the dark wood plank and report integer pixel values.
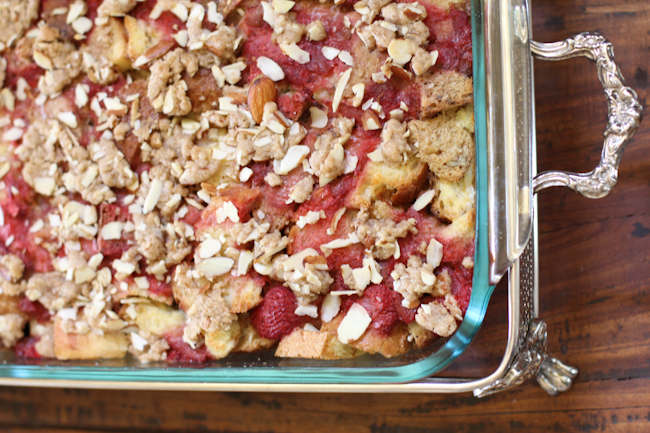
(595, 293)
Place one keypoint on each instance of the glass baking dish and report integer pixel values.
(264, 367)
(505, 222)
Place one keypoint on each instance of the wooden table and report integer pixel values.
(595, 293)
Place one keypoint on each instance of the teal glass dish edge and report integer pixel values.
(330, 374)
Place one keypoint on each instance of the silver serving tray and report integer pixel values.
(512, 221)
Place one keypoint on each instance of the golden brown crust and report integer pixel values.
(373, 341)
(9, 304)
(88, 346)
(397, 185)
(314, 345)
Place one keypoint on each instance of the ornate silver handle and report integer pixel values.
(624, 114)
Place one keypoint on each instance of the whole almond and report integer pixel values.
(261, 91)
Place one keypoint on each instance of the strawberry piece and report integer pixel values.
(293, 105)
(274, 317)
(109, 213)
(34, 309)
(180, 351)
(406, 315)
(379, 301)
(26, 347)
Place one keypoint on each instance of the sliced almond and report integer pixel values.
(358, 90)
(42, 61)
(318, 117)
(68, 118)
(427, 278)
(233, 72)
(213, 15)
(12, 134)
(115, 106)
(209, 248)
(112, 230)
(124, 268)
(293, 158)
(44, 185)
(400, 50)
(182, 37)
(245, 174)
(269, 68)
(180, 10)
(296, 53)
(361, 277)
(295, 262)
(434, 253)
(139, 343)
(351, 162)
(376, 155)
(260, 93)
(76, 10)
(268, 13)
(215, 266)
(424, 200)
(311, 217)
(83, 275)
(82, 25)
(413, 13)
(340, 87)
(346, 58)
(282, 6)
(354, 324)
(153, 196)
(244, 263)
(330, 307)
(330, 53)
(306, 310)
(225, 104)
(80, 96)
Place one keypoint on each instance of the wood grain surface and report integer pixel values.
(595, 293)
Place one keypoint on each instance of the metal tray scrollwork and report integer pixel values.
(532, 359)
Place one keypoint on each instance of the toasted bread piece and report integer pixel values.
(314, 345)
(9, 304)
(454, 199)
(141, 37)
(250, 340)
(372, 341)
(242, 293)
(11, 328)
(444, 90)
(396, 184)
(221, 342)
(88, 346)
(158, 318)
(444, 143)
(420, 337)
(113, 42)
(45, 345)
